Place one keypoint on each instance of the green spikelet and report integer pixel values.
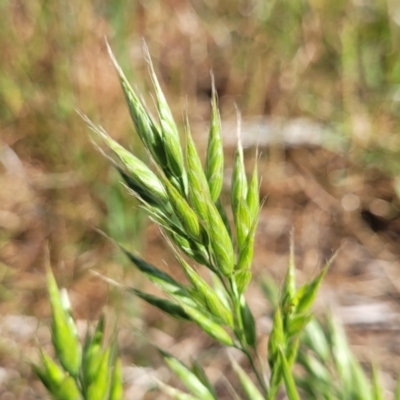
(215, 154)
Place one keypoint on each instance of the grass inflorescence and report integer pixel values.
(89, 372)
(182, 197)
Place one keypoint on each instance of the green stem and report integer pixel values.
(258, 374)
(239, 332)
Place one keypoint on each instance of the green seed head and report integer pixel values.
(242, 279)
(243, 221)
(239, 179)
(253, 199)
(199, 193)
(147, 129)
(214, 329)
(220, 242)
(141, 175)
(207, 294)
(276, 339)
(169, 130)
(247, 250)
(64, 335)
(215, 154)
(190, 247)
(185, 214)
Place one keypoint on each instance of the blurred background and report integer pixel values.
(318, 86)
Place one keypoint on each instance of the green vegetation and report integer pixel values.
(335, 62)
(182, 197)
(92, 372)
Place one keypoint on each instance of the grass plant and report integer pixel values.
(333, 61)
(92, 371)
(182, 197)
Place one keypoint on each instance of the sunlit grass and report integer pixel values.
(335, 62)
